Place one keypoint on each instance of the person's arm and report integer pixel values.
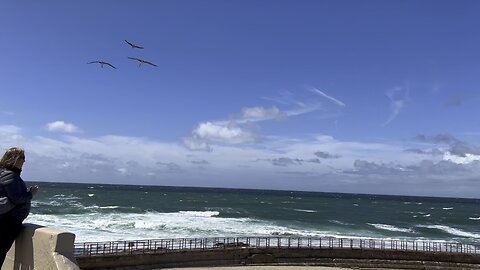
(15, 189)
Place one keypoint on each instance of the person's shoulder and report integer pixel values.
(7, 176)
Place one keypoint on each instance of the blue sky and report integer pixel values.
(346, 96)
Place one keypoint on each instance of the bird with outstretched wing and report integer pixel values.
(140, 61)
(133, 45)
(102, 63)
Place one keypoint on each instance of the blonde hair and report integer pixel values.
(11, 157)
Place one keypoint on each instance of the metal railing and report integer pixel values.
(181, 244)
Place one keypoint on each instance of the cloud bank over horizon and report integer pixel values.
(319, 163)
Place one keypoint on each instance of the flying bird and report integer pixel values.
(142, 61)
(133, 45)
(102, 63)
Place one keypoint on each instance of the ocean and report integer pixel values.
(101, 212)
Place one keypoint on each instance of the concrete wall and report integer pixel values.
(350, 258)
(41, 248)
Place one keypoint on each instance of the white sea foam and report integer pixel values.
(91, 195)
(42, 203)
(427, 215)
(127, 226)
(450, 230)
(65, 197)
(447, 208)
(340, 222)
(305, 210)
(109, 207)
(474, 218)
(390, 228)
(201, 213)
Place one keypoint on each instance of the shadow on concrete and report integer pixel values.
(24, 259)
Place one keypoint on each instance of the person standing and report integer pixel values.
(15, 198)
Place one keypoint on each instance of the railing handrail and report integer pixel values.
(180, 244)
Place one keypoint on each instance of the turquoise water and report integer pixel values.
(126, 212)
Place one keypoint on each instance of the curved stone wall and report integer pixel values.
(41, 248)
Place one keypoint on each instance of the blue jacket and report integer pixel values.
(14, 194)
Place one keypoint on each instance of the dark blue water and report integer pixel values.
(119, 212)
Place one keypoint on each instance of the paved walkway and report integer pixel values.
(273, 267)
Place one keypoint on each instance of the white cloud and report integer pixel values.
(10, 135)
(242, 127)
(217, 132)
(466, 159)
(9, 130)
(196, 144)
(261, 113)
(334, 100)
(396, 106)
(398, 99)
(61, 126)
(287, 163)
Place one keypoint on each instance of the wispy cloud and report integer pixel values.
(398, 97)
(326, 155)
(61, 126)
(334, 100)
(9, 113)
(243, 128)
(286, 161)
(436, 139)
(200, 162)
(10, 135)
(261, 113)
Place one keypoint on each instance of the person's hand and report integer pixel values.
(34, 190)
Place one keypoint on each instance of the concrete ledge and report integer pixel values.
(345, 258)
(41, 248)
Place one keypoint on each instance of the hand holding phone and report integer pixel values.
(34, 190)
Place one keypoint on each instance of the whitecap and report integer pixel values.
(390, 228)
(305, 210)
(90, 195)
(450, 230)
(200, 213)
(447, 208)
(474, 218)
(340, 222)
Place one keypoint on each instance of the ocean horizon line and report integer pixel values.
(215, 188)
